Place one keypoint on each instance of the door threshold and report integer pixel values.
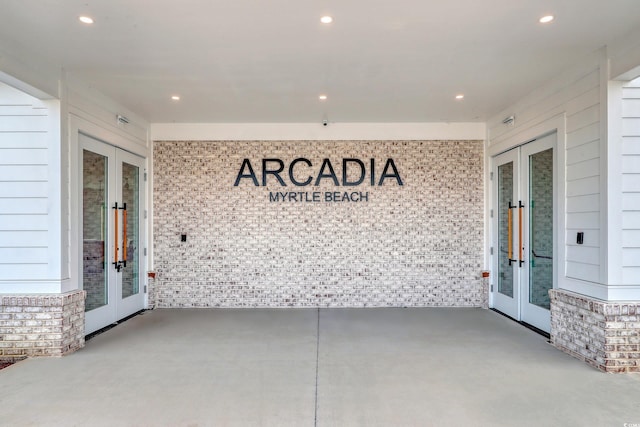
(525, 324)
(111, 326)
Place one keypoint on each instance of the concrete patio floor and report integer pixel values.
(309, 367)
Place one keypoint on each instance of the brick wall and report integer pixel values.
(606, 335)
(419, 244)
(41, 325)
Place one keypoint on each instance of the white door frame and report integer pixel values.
(518, 307)
(530, 313)
(117, 307)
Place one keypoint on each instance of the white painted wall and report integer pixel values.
(29, 206)
(630, 151)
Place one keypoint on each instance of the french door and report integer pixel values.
(111, 230)
(524, 231)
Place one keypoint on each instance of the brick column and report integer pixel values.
(41, 325)
(606, 335)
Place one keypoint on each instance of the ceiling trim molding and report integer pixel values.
(316, 131)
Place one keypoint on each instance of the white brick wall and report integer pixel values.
(606, 335)
(41, 325)
(419, 244)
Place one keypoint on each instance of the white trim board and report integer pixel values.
(316, 131)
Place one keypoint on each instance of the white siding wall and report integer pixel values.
(24, 185)
(570, 104)
(631, 183)
(583, 177)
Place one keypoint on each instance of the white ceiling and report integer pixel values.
(267, 61)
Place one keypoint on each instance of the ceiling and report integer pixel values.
(268, 61)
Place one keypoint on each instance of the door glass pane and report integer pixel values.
(505, 196)
(94, 215)
(541, 227)
(130, 234)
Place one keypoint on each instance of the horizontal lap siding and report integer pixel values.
(24, 203)
(583, 187)
(631, 183)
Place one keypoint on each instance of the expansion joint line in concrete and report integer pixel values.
(315, 416)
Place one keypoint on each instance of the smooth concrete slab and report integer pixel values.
(308, 367)
(458, 367)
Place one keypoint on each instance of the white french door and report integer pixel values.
(111, 232)
(524, 237)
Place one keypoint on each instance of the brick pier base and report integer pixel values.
(604, 334)
(41, 325)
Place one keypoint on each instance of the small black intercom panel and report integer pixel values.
(183, 237)
(580, 237)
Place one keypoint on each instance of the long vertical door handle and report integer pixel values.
(520, 233)
(510, 233)
(116, 261)
(124, 235)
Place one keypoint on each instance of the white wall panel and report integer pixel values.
(25, 189)
(631, 220)
(630, 145)
(631, 165)
(582, 271)
(631, 201)
(31, 238)
(23, 206)
(631, 126)
(583, 118)
(586, 169)
(14, 274)
(584, 220)
(630, 91)
(12, 173)
(631, 183)
(570, 94)
(24, 123)
(586, 203)
(583, 254)
(631, 107)
(25, 222)
(583, 135)
(631, 239)
(24, 156)
(583, 187)
(631, 275)
(588, 151)
(9, 255)
(630, 257)
(20, 110)
(591, 237)
(23, 140)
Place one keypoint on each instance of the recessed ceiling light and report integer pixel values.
(175, 98)
(460, 96)
(322, 97)
(546, 19)
(326, 19)
(86, 19)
